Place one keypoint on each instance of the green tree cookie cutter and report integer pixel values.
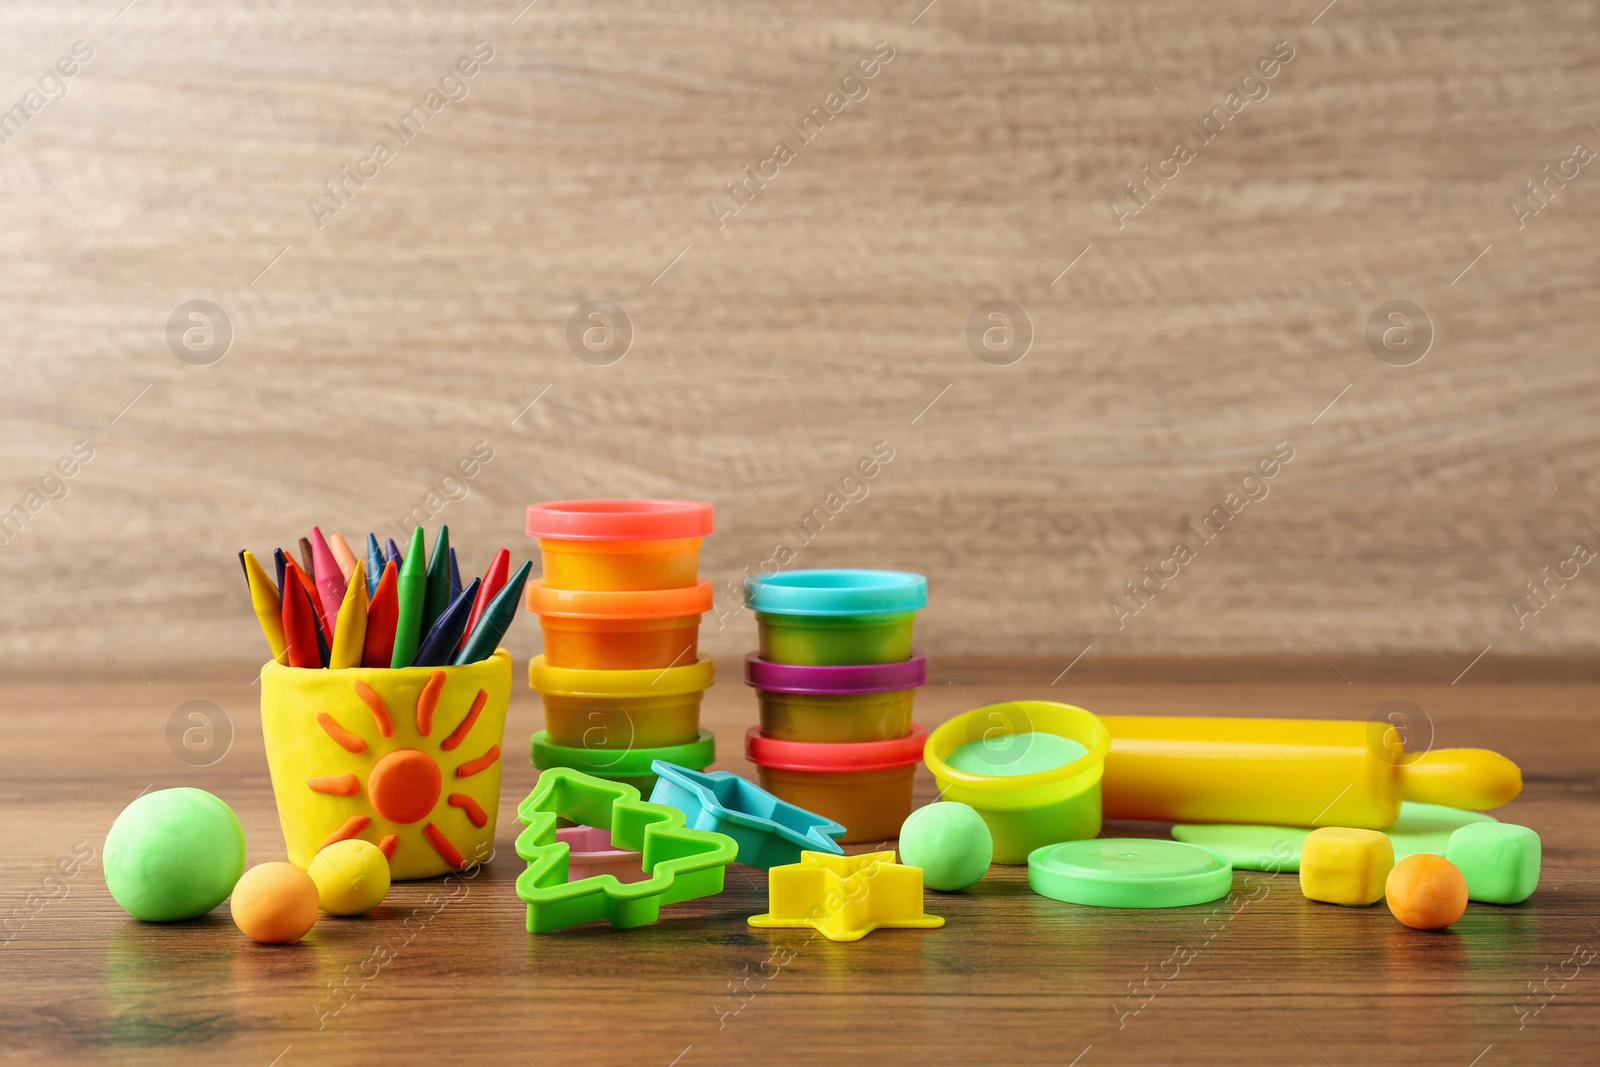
(682, 864)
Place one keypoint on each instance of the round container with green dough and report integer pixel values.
(1030, 768)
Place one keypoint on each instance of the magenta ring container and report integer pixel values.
(835, 704)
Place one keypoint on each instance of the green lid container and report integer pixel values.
(630, 766)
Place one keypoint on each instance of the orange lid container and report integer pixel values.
(617, 630)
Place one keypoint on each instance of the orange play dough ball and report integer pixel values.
(1426, 892)
(275, 903)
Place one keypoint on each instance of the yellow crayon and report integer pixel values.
(264, 598)
(350, 632)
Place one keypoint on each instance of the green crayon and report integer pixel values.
(412, 590)
(496, 619)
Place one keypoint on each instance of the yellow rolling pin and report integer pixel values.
(1287, 772)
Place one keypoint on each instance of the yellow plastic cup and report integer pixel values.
(621, 710)
(619, 545)
(406, 758)
(1030, 768)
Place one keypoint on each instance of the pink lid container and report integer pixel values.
(619, 520)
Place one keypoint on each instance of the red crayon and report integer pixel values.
(310, 586)
(299, 622)
(493, 580)
(383, 610)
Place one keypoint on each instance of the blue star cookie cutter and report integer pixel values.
(770, 832)
(682, 863)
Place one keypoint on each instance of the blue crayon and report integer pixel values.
(375, 563)
(438, 648)
(277, 558)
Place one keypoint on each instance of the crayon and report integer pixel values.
(496, 619)
(375, 563)
(378, 649)
(437, 597)
(278, 556)
(393, 550)
(439, 647)
(310, 587)
(329, 580)
(308, 562)
(410, 589)
(350, 634)
(302, 639)
(323, 644)
(342, 555)
(455, 576)
(264, 598)
(494, 579)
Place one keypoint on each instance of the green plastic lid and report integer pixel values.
(1129, 872)
(623, 762)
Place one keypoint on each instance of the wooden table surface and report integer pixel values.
(1012, 978)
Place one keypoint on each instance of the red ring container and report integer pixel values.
(865, 786)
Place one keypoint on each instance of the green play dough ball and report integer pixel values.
(173, 854)
(950, 842)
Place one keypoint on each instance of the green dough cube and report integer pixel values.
(1499, 859)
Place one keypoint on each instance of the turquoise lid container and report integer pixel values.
(836, 592)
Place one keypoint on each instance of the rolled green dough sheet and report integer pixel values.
(1420, 828)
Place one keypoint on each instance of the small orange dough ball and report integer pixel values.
(275, 903)
(1426, 892)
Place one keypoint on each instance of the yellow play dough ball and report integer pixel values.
(352, 877)
(275, 903)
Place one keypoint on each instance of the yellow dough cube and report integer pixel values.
(1340, 865)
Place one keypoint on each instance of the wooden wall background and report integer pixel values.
(828, 315)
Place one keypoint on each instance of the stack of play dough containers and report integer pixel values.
(835, 676)
(620, 605)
